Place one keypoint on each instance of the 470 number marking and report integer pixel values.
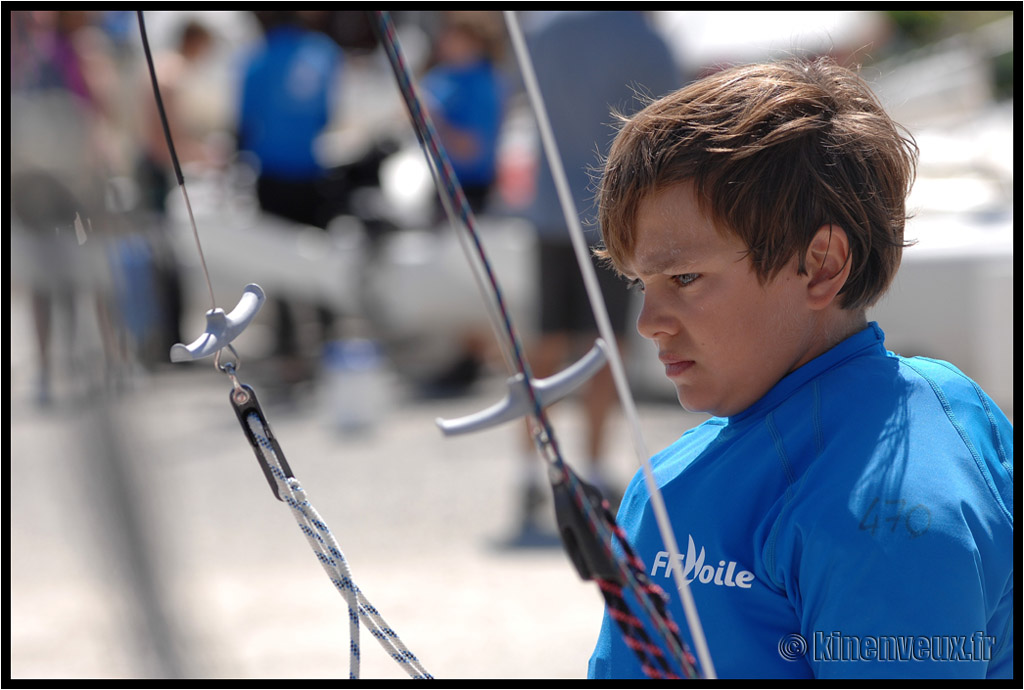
(916, 520)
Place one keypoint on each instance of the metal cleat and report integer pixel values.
(222, 328)
(516, 402)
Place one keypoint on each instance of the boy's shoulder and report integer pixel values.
(896, 428)
(946, 381)
(937, 392)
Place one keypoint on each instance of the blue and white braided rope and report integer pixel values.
(333, 561)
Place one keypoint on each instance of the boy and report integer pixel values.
(846, 512)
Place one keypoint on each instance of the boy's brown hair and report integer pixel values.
(775, 151)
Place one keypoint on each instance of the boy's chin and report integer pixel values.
(691, 403)
(696, 404)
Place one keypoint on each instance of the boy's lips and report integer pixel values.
(674, 365)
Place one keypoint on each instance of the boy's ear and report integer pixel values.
(828, 265)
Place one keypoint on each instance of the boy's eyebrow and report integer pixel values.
(660, 262)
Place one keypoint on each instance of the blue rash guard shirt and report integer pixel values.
(855, 522)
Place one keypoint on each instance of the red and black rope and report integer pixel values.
(586, 523)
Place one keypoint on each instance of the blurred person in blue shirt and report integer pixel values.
(288, 97)
(465, 93)
(288, 93)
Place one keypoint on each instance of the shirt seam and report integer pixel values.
(964, 437)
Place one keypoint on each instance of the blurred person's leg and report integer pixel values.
(46, 208)
(598, 401)
(41, 310)
(601, 399)
(302, 202)
(546, 356)
(470, 363)
(568, 329)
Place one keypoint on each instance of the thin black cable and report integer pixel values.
(159, 101)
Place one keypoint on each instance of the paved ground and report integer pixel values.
(139, 521)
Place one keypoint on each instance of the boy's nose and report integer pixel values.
(655, 319)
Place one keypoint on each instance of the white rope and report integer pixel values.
(320, 539)
(605, 329)
(329, 553)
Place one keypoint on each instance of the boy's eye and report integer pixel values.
(681, 280)
(685, 279)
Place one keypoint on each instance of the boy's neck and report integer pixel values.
(834, 326)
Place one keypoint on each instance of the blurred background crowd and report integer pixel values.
(304, 176)
(289, 122)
